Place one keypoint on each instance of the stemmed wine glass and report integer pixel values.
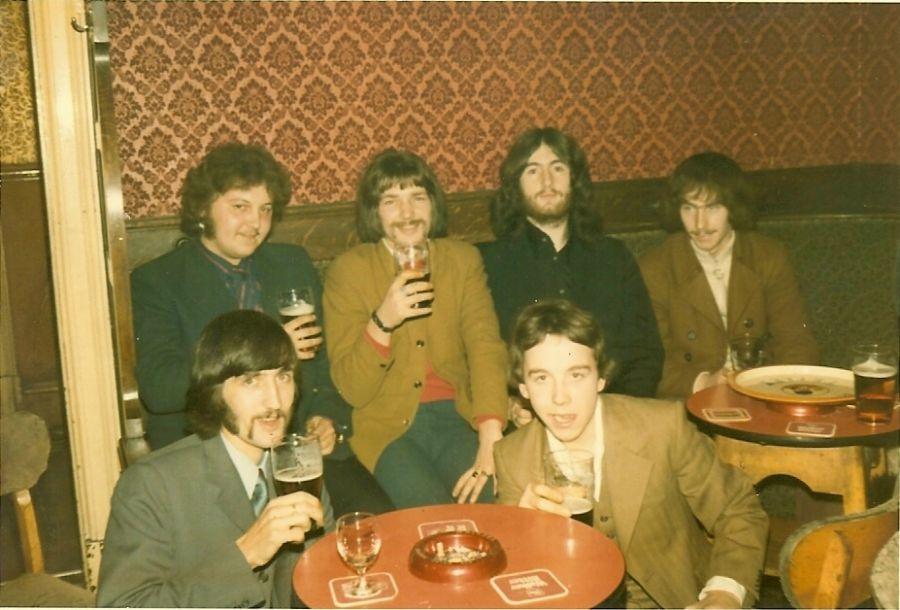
(358, 544)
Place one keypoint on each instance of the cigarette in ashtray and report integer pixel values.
(440, 550)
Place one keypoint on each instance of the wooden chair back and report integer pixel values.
(827, 563)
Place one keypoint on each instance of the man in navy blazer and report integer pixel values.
(229, 202)
(197, 523)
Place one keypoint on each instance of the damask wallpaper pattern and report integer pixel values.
(326, 85)
(18, 134)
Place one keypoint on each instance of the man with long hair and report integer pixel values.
(230, 201)
(550, 245)
(197, 523)
(716, 279)
(416, 352)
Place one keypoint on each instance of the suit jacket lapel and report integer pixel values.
(742, 286)
(625, 472)
(694, 288)
(225, 487)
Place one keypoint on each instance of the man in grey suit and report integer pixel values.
(198, 523)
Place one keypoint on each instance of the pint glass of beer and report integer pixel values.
(875, 381)
(572, 473)
(415, 258)
(297, 466)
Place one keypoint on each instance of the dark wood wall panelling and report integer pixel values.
(625, 206)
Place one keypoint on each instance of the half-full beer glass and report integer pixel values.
(875, 382)
(572, 473)
(415, 258)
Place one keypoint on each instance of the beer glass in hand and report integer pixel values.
(358, 544)
(297, 466)
(572, 473)
(415, 258)
(875, 382)
(297, 302)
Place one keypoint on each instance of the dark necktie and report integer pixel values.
(260, 493)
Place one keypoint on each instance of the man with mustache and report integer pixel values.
(229, 203)
(549, 245)
(417, 353)
(197, 523)
(715, 279)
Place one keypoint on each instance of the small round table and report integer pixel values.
(763, 446)
(587, 564)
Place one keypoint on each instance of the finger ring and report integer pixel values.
(475, 474)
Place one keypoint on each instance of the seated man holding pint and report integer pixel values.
(691, 529)
(197, 523)
(414, 349)
(230, 200)
(715, 280)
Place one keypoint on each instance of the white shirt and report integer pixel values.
(247, 469)
(722, 583)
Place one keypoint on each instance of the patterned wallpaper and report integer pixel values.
(18, 141)
(326, 85)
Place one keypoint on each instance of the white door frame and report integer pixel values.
(68, 145)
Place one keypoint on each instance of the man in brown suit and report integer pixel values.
(715, 279)
(691, 529)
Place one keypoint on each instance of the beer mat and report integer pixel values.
(528, 587)
(452, 525)
(818, 430)
(342, 590)
(717, 415)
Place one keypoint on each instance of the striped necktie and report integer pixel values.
(260, 493)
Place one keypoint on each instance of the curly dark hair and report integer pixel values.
(720, 175)
(391, 168)
(233, 344)
(230, 166)
(555, 317)
(508, 211)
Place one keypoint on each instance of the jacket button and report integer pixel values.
(420, 343)
(748, 323)
(405, 422)
(263, 576)
(691, 335)
(604, 518)
(417, 384)
(688, 357)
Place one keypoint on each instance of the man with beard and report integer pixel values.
(549, 245)
(197, 523)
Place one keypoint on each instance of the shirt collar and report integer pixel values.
(246, 468)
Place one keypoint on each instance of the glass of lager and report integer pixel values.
(875, 382)
(297, 466)
(297, 302)
(415, 258)
(572, 473)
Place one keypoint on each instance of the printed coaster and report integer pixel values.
(818, 430)
(454, 525)
(528, 587)
(724, 415)
(342, 590)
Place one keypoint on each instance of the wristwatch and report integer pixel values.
(380, 324)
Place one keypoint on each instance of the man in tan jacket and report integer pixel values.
(691, 529)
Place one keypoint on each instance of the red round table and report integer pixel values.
(589, 565)
(843, 464)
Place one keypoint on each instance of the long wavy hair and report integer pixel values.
(226, 167)
(508, 207)
(723, 178)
